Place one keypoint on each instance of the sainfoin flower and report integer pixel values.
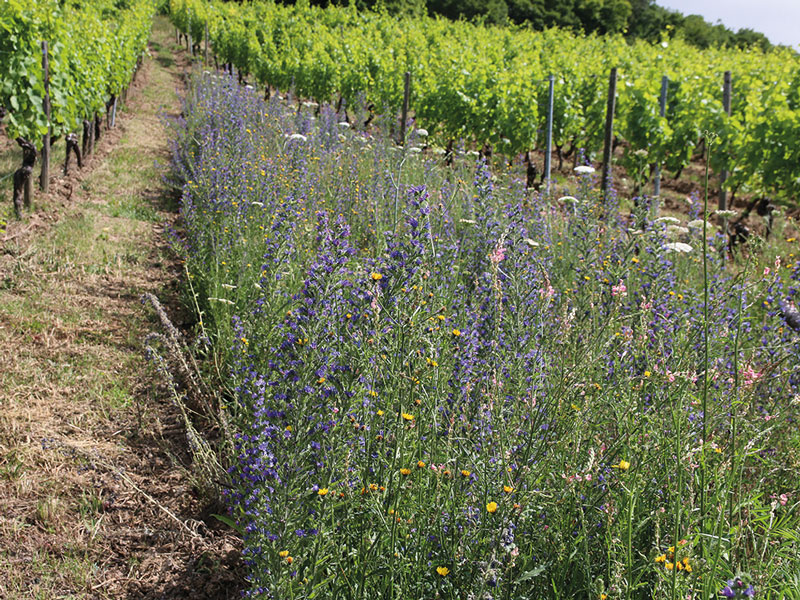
(498, 254)
(750, 376)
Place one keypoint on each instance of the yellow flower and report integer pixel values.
(603, 596)
(647, 373)
(380, 413)
(662, 558)
(669, 566)
(456, 332)
(465, 473)
(405, 471)
(322, 491)
(623, 465)
(376, 276)
(491, 507)
(407, 417)
(442, 571)
(421, 464)
(508, 489)
(283, 553)
(289, 559)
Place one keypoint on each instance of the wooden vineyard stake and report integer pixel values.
(662, 110)
(44, 180)
(726, 105)
(404, 113)
(608, 149)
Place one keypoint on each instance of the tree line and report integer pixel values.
(635, 19)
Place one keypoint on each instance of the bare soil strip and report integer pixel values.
(96, 496)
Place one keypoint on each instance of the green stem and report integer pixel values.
(705, 355)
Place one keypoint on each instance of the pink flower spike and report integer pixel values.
(497, 255)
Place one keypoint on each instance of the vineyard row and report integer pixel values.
(489, 85)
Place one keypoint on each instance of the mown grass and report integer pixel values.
(78, 406)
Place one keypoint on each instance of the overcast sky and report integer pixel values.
(779, 20)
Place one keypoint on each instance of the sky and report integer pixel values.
(779, 20)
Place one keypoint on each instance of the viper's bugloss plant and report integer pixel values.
(445, 387)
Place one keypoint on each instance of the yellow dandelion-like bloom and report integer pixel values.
(283, 553)
(491, 507)
(420, 464)
(508, 489)
(456, 332)
(405, 471)
(669, 566)
(661, 558)
(442, 571)
(289, 559)
(407, 417)
(380, 413)
(322, 492)
(465, 473)
(376, 276)
(623, 465)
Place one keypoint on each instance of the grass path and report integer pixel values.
(92, 455)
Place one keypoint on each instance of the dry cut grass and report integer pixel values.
(96, 493)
